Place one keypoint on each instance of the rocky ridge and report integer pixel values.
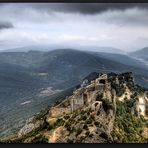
(93, 114)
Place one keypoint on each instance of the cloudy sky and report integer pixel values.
(123, 26)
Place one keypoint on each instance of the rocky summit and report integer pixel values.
(108, 108)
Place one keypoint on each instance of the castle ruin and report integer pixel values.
(98, 89)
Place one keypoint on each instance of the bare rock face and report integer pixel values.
(51, 121)
(57, 134)
(29, 127)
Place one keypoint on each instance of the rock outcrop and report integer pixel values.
(29, 127)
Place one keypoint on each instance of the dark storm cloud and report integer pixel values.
(5, 25)
(82, 8)
(98, 8)
(38, 12)
(88, 8)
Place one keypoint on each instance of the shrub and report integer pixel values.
(119, 90)
(59, 122)
(87, 133)
(104, 136)
(97, 123)
(40, 140)
(49, 127)
(67, 124)
(82, 138)
(84, 117)
(88, 113)
(69, 141)
(78, 132)
(90, 135)
(69, 128)
(106, 105)
(85, 127)
(89, 121)
(66, 117)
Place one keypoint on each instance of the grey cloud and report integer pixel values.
(87, 8)
(82, 8)
(43, 12)
(38, 12)
(5, 25)
(98, 8)
(134, 17)
(30, 15)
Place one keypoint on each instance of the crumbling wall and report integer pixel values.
(77, 101)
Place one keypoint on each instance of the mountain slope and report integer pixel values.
(142, 54)
(24, 59)
(51, 47)
(73, 65)
(124, 59)
(105, 49)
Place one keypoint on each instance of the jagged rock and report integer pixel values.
(29, 120)
(51, 121)
(29, 127)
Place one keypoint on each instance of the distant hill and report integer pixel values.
(104, 49)
(72, 65)
(23, 59)
(62, 46)
(142, 53)
(121, 58)
(29, 48)
(66, 67)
